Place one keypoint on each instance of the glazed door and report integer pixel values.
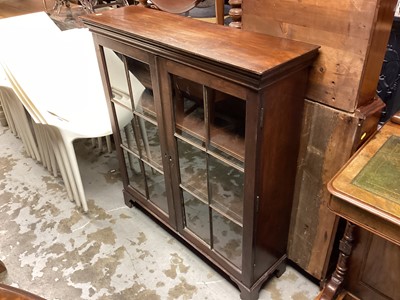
(207, 134)
(141, 139)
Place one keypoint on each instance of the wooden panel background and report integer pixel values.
(375, 267)
(313, 225)
(353, 35)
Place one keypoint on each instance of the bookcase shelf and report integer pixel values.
(226, 127)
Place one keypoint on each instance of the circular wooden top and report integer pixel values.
(174, 6)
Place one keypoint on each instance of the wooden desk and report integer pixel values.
(366, 192)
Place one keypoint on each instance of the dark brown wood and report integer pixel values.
(218, 43)
(334, 285)
(369, 117)
(277, 173)
(236, 13)
(268, 80)
(2, 267)
(13, 293)
(219, 11)
(374, 271)
(376, 261)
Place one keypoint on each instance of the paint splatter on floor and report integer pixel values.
(54, 250)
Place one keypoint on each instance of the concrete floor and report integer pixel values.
(54, 250)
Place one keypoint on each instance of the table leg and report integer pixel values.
(333, 286)
(219, 11)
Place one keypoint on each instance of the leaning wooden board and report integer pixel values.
(329, 137)
(352, 35)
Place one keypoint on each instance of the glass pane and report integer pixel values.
(227, 126)
(150, 143)
(227, 238)
(192, 164)
(197, 216)
(128, 137)
(189, 109)
(226, 188)
(139, 81)
(156, 186)
(144, 104)
(135, 174)
(117, 76)
(142, 88)
(146, 134)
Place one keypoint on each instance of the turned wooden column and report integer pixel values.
(334, 285)
(236, 13)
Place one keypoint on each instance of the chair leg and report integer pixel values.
(100, 143)
(70, 151)
(48, 150)
(108, 142)
(33, 137)
(67, 164)
(18, 116)
(30, 133)
(39, 139)
(44, 143)
(61, 166)
(6, 108)
(53, 161)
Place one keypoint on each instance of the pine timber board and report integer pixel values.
(352, 34)
(329, 137)
(313, 225)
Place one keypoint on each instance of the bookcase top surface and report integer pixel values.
(253, 52)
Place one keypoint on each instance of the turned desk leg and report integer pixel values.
(333, 286)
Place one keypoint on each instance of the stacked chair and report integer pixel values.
(18, 120)
(55, 77)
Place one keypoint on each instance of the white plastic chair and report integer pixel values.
(79, 111)
(4, 84)
(19, 123)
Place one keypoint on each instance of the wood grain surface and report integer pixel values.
(352, 35)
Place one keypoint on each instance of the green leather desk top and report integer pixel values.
(366, 191)
(381, 174)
